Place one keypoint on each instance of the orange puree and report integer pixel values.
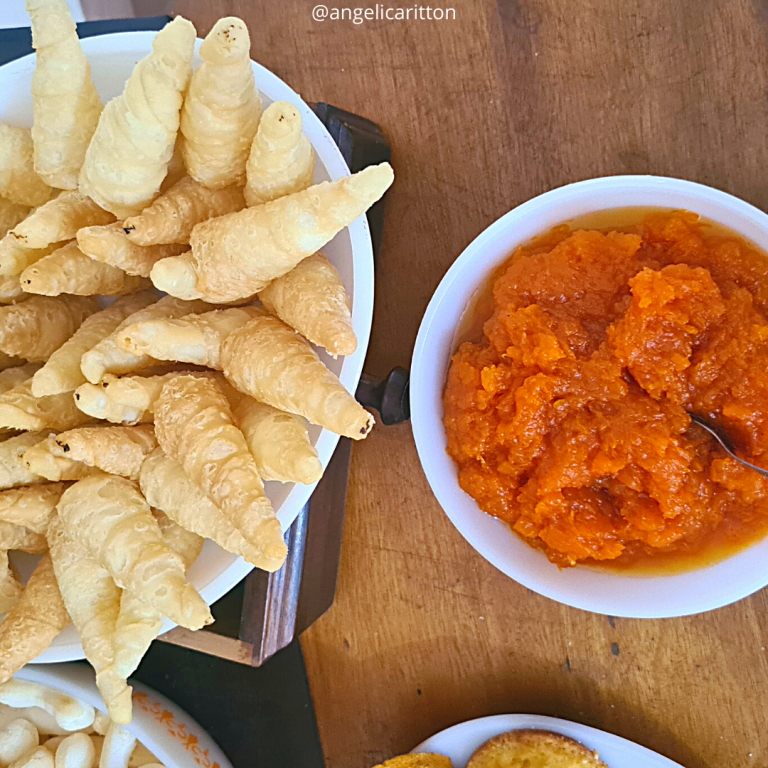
(568, 419)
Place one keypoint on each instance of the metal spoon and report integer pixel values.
(722, 437)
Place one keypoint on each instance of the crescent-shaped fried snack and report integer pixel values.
(128, 156)
(194, 425)
(59, 219)
(12, 377)
(30, 505)
(237, 255)
(282, 161)
(70, 271)
(18, 181)
(65, 103)
(15, 257)
(221, 108)
(172, 216)
(20, 409)
(13, 471)
(271, 362)
(62, 371)
(110, 245)
(116, 525)
(40, 460)
(11, 214)
(117, 450)
(186, 544)
(18, 537)
(10, 587)
(107, 357)
(92, 600)
(11, 290)
(190, 339)
(167, 487)
(311, 298)
(278, 441)
(9, 361)
(31, 624)
(124, 399)
(34, 329)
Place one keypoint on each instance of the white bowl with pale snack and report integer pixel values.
(334, 217)
(58, 700)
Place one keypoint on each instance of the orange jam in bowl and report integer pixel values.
(566, 408)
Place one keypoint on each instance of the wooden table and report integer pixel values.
(509, 100)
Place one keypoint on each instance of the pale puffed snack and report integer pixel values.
(221, 108)
(110, 245)
(190, 339)
(117, 450)
(128, 156)
(119, 744)
(15, 257)
(21, 538)
(11, 290)
(10, 587)
(20, 409)
(68, 713)
(18, 181)
(12, 377)
(65, 103)
(75, 751)
(41, 460)
(17, 738)
(107, 357)
(311, 298)
(269, 361)
(194, 425)
(34, 329)
(239, 254)
(32, 623)
(171, 218)
(68, 270)
(282, 160)
(31, 505)
(11, 214)
(61, 372)
(60, 219)
(13, 471)
(167, 487)
(124, 399)
(115, 523)
(92, 600)
(278, 441)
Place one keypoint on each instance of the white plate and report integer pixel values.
(460, 741)
(163, 727)
(591, 588)
(112, 59)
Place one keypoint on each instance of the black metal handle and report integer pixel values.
(389, 396)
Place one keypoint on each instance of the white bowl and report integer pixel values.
(460, 741)
(590, 588)
(165, 729)
(112, 59)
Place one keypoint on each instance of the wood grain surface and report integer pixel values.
(507, 101)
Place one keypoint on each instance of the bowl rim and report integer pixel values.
(79, 682)
(139, 43)
(476, 526)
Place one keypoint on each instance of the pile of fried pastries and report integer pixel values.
(41, 727)
(135, 426)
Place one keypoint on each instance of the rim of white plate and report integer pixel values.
(127, 48)
(459, 741)
(588, 588)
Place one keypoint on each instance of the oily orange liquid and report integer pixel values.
(738, 529)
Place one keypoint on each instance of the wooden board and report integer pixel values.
(505, 102)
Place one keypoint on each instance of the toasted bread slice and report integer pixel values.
(423, 760)
(534, 749)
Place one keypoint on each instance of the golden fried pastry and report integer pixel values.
(18, 181)
(534, 749)
(423, 760)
